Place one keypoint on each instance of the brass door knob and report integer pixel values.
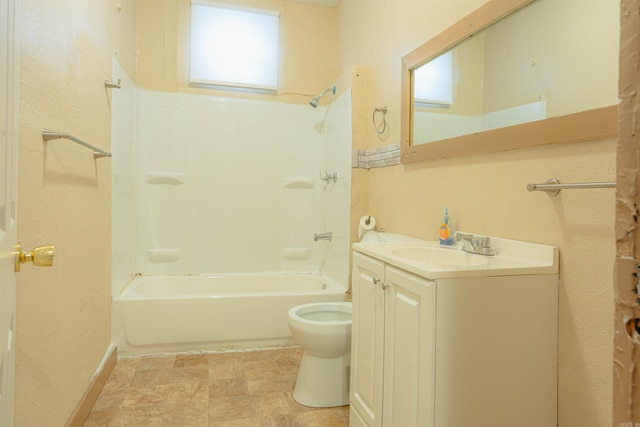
(41, 256)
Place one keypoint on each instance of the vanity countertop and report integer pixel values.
(434, 261)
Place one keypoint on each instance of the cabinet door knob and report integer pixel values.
(377, 282)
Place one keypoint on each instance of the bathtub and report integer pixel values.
(157, 314)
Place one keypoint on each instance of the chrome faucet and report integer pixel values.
(480, 245)
(322, 236)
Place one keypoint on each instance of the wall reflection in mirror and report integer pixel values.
(551, 58)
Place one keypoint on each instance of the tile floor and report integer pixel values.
(244, 389)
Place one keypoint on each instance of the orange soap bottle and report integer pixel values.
(445, 232)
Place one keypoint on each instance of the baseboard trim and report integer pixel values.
(84, 406)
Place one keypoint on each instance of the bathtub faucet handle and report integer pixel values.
(322, 236)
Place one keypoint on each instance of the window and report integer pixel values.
(433, 82)
(233, 46)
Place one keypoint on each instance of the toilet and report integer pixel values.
(323, 330)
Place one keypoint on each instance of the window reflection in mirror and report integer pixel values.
(433, 83)
(549, 59)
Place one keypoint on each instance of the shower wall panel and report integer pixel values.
(337, 195)
(227, 185)
(123, 128)
(161, 192)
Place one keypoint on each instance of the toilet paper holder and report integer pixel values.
(366, 223)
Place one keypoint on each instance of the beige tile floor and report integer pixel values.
(244, 389)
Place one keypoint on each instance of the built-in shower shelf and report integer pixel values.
(307, 183)
(165, 178)
(296, 254)
(163, 255)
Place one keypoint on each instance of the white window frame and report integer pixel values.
(224, 79)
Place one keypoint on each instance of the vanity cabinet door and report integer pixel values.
(367, 342)
(409, 350)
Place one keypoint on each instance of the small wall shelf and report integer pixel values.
(163, 255)
(295, 183)
(296, 254)
(165, 178)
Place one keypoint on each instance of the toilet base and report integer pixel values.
(323, 383)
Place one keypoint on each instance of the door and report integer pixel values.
(409, 350)
(8, 195)
(367, 331)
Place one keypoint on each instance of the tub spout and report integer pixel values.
(322, 236)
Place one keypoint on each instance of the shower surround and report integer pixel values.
(226, 187)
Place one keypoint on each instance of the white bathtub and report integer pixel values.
(156, 314)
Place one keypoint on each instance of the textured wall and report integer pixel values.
(486, 194)
(63, 312)
(308, 61)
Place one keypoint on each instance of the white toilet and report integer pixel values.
(323, 330)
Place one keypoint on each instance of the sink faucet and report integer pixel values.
(480, 245)
(322, 236)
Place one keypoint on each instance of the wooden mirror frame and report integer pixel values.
(586, 125)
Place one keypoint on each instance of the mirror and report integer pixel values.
(529, 72)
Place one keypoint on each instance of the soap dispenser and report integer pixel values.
(445, 232)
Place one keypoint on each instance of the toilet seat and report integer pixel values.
(332, 313)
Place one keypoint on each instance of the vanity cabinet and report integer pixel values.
(452, 352)
(393, 335)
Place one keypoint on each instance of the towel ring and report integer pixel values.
(383, 111)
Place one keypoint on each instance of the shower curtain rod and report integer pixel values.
(48, 135)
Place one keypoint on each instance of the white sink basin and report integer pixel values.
(438, 255)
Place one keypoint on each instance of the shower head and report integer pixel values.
(316, 99)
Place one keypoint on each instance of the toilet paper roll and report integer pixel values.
(367, 223)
